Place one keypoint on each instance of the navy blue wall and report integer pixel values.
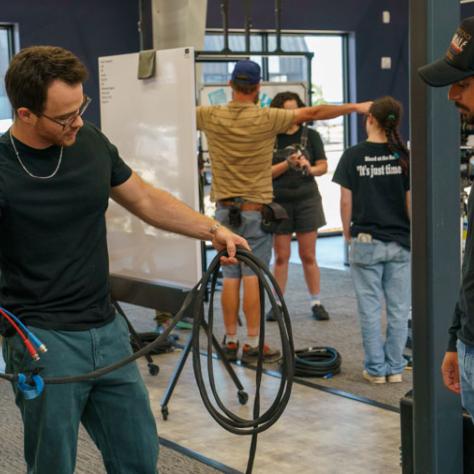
(89, 28)
(92, 28)
(363, 18)
(467, 9)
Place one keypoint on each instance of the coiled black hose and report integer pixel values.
(225, 417)
(317, 362)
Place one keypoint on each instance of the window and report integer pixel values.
(6, 52)
(219, 72)
(328, 80)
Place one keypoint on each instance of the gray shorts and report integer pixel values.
(260, 242)
(305, 215)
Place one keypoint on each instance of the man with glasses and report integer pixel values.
(57, 174)
(68, 119)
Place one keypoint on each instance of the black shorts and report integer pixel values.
(305, 215)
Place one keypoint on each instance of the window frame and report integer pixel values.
(12, 47)
(264, 36)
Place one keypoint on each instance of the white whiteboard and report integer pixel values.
(153, 124)
(217, 94)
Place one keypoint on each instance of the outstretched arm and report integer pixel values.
(160, 209)
(326, 112)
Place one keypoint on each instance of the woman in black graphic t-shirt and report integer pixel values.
(298, 157)
(375, 212)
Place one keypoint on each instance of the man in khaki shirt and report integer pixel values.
(241, 138)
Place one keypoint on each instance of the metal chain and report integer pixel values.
(26, 169)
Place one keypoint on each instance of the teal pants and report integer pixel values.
(114, 409)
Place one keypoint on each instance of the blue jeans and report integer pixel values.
(114, 409)
(466, 374)
(382, 269)
(260, 242)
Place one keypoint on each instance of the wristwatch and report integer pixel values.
(214, 227)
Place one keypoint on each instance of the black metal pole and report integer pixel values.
(145, 24)
(278, 24)
(248, 23)
(435, 161)
(225, 24)
(309, 72)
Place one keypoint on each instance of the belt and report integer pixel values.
(243, 206)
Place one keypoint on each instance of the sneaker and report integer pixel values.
(319, 312)
(250, 354)
(376, 379)
(409, 360)
(271, 316)
(395, 378)
(230, 350)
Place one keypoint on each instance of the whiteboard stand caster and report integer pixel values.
(153, 369)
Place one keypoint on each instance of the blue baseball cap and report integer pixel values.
(246, 72)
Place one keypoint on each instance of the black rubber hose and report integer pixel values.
(317, 362)
(110, 368)
(223, 416)
(227, 419)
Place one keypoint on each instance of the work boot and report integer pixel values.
(230, 350)
(250, 354)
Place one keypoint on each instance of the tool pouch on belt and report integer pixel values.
(235, 217)
(272, 215)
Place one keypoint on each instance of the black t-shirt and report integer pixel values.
(293, 185)
(378, 185)
(53, 250)
(463, 321)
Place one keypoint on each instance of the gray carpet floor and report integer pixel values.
(88, 457)
(342, 332)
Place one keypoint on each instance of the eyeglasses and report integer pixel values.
(67, 122)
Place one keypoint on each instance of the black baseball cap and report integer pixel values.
(246, 72)
(458, 62)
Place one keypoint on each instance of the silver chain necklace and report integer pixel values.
(26, 169)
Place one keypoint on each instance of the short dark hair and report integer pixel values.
(279, 100)
(32, 71)
(243, 88)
